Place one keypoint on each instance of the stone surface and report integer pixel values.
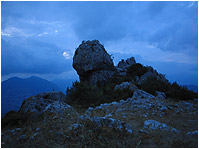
(160, 95)
(109, 122)
(154, 125)
(92, 62)
(47, 103)
(75, 126)
(131, 61)
(125, 85)
(100, 76)
(151, 73)
(142, 94)
(37, 104)
(123, 65)
(193, 133)
(58, 107)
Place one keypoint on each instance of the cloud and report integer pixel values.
(154, 32)
(66, 55)
(33, 56)
(43, 34)
(150, 51)
(13, 32)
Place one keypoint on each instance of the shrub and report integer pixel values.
(13, 119)
(152, 84)
(136, 70)
(174, 91)
(83, 95)
(180, 93)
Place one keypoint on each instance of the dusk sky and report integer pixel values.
(40, 38)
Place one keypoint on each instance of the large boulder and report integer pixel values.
(41, 106)
(151, 73)
(92, 62)
(155, 125)
(125, 85)
(141, 94)
(124, 64)
(160, 95)
(40, 103)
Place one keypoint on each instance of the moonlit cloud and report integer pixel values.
(66, 55)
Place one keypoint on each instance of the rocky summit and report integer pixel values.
(92, 62)
(122, 66)
(128, 105)
(140, 121)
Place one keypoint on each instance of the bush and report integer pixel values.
(136, 70)
(180, 93)
(173, 91)
(13, 119)
(83, 95)
(152, 84)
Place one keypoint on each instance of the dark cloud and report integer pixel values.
(32, 32)
(176, 72)
(33, 57)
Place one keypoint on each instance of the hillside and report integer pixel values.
(15, 90)
(128, 105)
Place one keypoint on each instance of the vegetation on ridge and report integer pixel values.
(84, 95)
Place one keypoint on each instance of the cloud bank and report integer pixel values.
(41, 37)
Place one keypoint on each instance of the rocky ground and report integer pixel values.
(143, 120)
(140, 121)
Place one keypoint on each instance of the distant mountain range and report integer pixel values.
(15, 90)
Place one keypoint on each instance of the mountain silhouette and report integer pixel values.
(15, 90)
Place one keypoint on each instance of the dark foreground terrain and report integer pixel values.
(128, 105)
(45, 120)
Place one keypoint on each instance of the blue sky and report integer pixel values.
(39, 38)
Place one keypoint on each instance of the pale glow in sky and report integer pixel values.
(66, 55)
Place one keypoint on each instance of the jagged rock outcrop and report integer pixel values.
(151, 73)
(48, 102)
(160, 95)
(125, 85)
(154, 125)
(123, 65)
(93, 63)
(142, 94)
(193, 133)
(134, 117)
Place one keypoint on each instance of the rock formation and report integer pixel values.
(141, 120)
(123, 65)
(151, 73)
(93, 63)
(45, 103)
